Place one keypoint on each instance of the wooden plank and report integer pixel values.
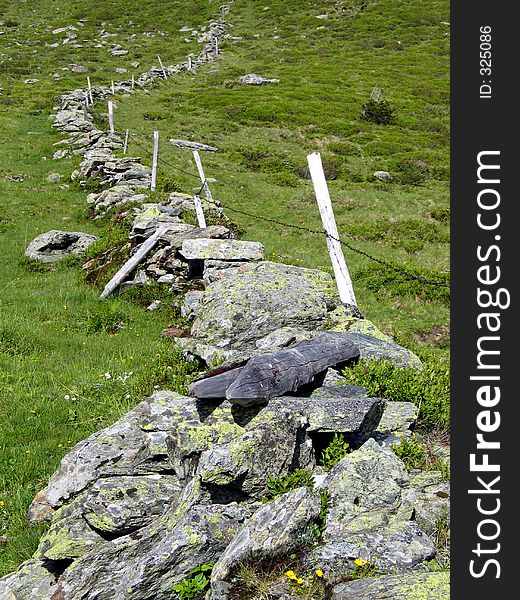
(214, 387)
(153, 185)
(199, 212)
(133, 81)
(111, 116)
(132, 262)
(125, 145)
(198, 162)
(89, 86)
(271, 375)
(341, 272)
(162, 67)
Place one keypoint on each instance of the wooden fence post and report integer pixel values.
(132, 262)
(341, 273)
(125, 145)
(113, 88)
(162, 67)
(155, 160)
(133, 81)
(190, 66)
(111, 116)
(199, 212)
(89, 85)
(198, 162)
(216, 46)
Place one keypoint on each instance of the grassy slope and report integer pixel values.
(327, 69)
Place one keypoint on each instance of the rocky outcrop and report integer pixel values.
(54, 245)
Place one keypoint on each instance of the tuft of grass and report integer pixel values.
(411, 452)
(334, 452)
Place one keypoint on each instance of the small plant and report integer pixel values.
(411, 452)
(318, 528)
(196, 583)
(364, 568)
(276, 486)
(440, 214)
(105, 319)
(33, 266)
(334, 452)
(378, 111)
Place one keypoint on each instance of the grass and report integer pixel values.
(57, 344)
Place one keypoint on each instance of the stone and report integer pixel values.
(326, 414)
(134, 445)
(150, 562)
(274, 529)
(54, 245)
(31, 581)
(429, 494)
(254, 79)
(383, 176)
(53, 178)
(233, 250)
(191, 301)
(369, 515)
(411, 586)
(372, 348)
(240, 309)
(193, 145)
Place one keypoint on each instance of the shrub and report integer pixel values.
(378, 111)
(334, 452)
(413, 172)
(278, 486)
(429, 388)
(411, 452)
(106, 318)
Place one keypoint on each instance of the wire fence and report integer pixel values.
(388, 265)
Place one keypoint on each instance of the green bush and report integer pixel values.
(334, 452)
(196, 583)
(378, 111)
(106, 318)
(276, 486)
(429, 388)
(411, 452)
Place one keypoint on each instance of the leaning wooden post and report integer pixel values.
(198, 162)
(111, 116)
(155, 160)
(125, 145)
(133, 81)
(199, 212)
(341, 273)
(89, 85)
(162, 67)
(132, 263)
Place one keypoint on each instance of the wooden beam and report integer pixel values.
(214, 387)
(199, 212)
(111, 116)
(153, 185)
(132, 262)
(341, 272)
(198, 162)
(271, 375)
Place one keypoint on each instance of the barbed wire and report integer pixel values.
(219, 204)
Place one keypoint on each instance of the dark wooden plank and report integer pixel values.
(270, 375)
(214, 387)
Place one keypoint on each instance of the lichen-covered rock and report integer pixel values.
(205, 249)
(254, 79)
(118, 505)
(31, 581)
(429, 494)
(275, 528)
(369, 516)
(240, 309)
(373, 348)
(55, 245)
(396, 424)
(150, 562)
(136, 444)
(412, 586)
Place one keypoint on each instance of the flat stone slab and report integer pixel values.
(211, 249)
(426, 586)
(54, 245)
(193, 145)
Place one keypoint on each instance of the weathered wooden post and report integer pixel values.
(190, 66)
(198, 162)
(155, 160)
(216, 46)
(162, 67)
(113, 88)
(133, 81)
(125, 144)
(111, 116)
(89, 85)
(341, 273)
(199, 212)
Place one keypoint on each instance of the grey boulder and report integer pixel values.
(54, 245)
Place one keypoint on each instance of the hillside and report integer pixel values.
(65, 369)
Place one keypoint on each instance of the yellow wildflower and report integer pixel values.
(291, 575)
(1, 503)
(360, 562)
(319, 572)
(299, 581)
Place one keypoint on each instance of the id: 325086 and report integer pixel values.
(485, 61)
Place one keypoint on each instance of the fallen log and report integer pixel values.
(271, 375)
